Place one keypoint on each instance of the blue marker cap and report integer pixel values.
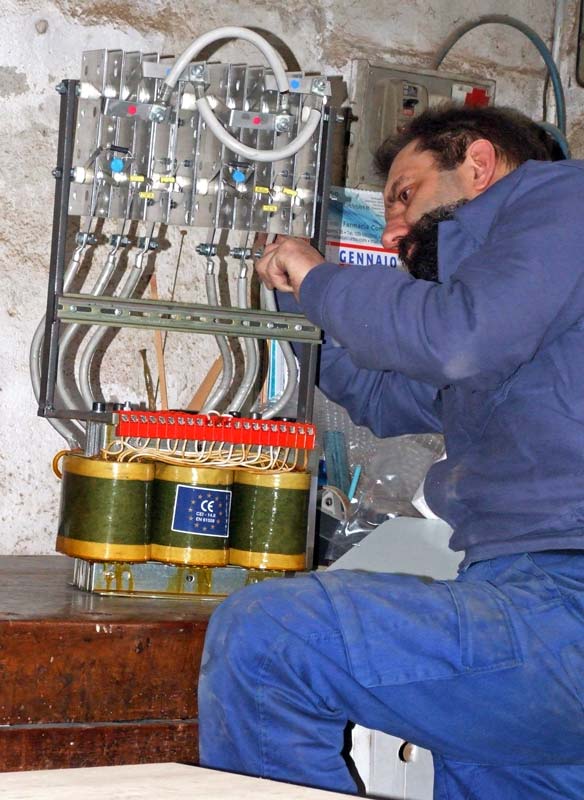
(116, 165)
(238, 176)
(295, 83)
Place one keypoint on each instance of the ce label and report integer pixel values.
(207, 506)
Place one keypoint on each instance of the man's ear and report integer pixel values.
(482, 164)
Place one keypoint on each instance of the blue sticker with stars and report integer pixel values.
(201, 511)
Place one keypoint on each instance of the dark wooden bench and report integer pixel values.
(87, 680)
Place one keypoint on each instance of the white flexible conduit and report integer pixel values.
(98, 334)
(250, 347)
(204, 107)
(97, 290)
(69, 430)
(221, 389)
(269, 303)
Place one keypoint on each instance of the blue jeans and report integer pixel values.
(486, 671)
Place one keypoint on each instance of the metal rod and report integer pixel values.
(62, 175)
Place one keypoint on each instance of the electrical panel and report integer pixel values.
(138, 160)
(385, 99)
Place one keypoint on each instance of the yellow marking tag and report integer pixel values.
(137, 178)
(167, 179)
(147, 195)
(289, 192)
(269, 208)
(261, 190)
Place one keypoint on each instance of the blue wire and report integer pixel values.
(544, 52)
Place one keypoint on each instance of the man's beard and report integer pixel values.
(418, 250)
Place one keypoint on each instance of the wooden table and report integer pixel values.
(89, 681)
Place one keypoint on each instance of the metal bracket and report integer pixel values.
(150, 314)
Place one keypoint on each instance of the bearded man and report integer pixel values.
(483, 340)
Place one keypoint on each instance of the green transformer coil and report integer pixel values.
(269, 520)
(105, 509)
(190, 515)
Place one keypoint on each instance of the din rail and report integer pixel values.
(152, 314)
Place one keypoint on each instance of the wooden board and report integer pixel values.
(116, 676)
(152, 782)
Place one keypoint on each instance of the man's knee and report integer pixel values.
(247, 623)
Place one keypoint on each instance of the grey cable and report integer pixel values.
(250, 347)
(222, 387)
(269, 303)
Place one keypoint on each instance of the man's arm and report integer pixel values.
(521, 289)
(388, 403)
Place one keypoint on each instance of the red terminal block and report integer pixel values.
(211, 428)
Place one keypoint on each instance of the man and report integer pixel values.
(487, 345)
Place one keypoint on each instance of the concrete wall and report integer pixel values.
(42, 42)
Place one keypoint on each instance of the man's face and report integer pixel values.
(416, 186)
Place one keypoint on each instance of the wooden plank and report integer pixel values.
(96, 672)
(69, 656)
(152, 782)
(34, 747)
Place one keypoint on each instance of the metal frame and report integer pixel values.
(113, 312)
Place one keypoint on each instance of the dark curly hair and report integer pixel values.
(448, 130)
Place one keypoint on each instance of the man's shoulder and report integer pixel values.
(544, 183)
(540, 172)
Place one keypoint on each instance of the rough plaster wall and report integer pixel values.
(42, 42)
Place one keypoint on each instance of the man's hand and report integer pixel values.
(286, 263)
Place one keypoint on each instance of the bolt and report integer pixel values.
(270, 325)
(57, 172)
(61, 88)
(206, 249)
(319, 85)
(282, 124)
(197, 71)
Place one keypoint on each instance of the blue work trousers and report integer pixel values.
(486, 671)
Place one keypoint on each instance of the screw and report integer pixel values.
(57, 172)
(282, 124)
(61, 88)
(319, 85)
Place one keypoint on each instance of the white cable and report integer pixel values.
(96, 336)
(290, 149)
(206, 112)
(250, 347)
(98, 289)
(220, 390)
(70, 430)
(229, 32)
(269, 303)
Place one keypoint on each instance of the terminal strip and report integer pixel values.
(180, 425)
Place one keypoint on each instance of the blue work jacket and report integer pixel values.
(492, 356)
